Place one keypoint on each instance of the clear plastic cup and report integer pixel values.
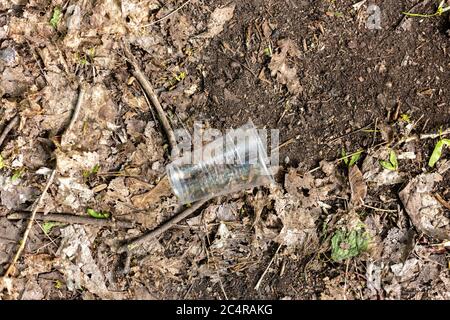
(233, 162)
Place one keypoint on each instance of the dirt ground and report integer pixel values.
(357, 210)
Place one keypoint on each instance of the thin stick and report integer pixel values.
(258, 284)
(77, 110)
(8, 128)
(379, 209)
(150, 92)
(375, 132)
(29, 226)
(162, 228)
(71, 219)
(347, 134)
(442, 201)
(425, 136)
(169, 14)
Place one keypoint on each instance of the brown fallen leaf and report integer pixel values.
(162, 189)
(357, 186)
(217, 21)
(280, 69)
(425, 212)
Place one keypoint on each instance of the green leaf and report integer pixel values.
(98, 215)
(56, 17)
(268, 51)
(437, 152)
(393, 159)
(405, 117)
(344, 156)
(392, 164)
(387, 165)
(355, 158)
(345, 245)
(48, 226)
(17, 174)
(2, 163)
(58, 284)
(94, 170)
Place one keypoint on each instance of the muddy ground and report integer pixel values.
(372, 226)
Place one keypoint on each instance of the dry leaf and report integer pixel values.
(78, 264)
(162, 189)
(357, 186)
(280, 69)
(425, 212)
(217, 21)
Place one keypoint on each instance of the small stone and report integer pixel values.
(8, 55)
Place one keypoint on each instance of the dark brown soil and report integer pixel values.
(343, 85)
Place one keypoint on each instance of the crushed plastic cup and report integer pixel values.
(236, 161)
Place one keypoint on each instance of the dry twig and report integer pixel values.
(23, 242)
(150, 92)
(8, 128)
(71, 219)
(169, 14)
(258, 284)
(77, 109)
(162, 228)
(442, 201)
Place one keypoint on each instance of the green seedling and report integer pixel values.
(336, 14)
(440, 10)
(348, 244)
(91, 52)
(2, 163)
(392, 164)
(268, 51)
(352, 159)
(56, 17)
(83, 61)
(98, 215)
(181, 76)
(17, 174)
(405, 117)
(94, 170)
(48, 226)
(437, 152)
(58, 284)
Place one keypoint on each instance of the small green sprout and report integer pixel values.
(58, 284)
(91, 52)
(177, 78)
(268, 51)
(48, 226)
(437, 152)
(353, 157)
(392, 164)
(440, 10)
(56, 17)
(405, 117)
(181, 76)
(17, 174)
(83, 61)
(98, 215)
(2, 163)
(94, 170)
